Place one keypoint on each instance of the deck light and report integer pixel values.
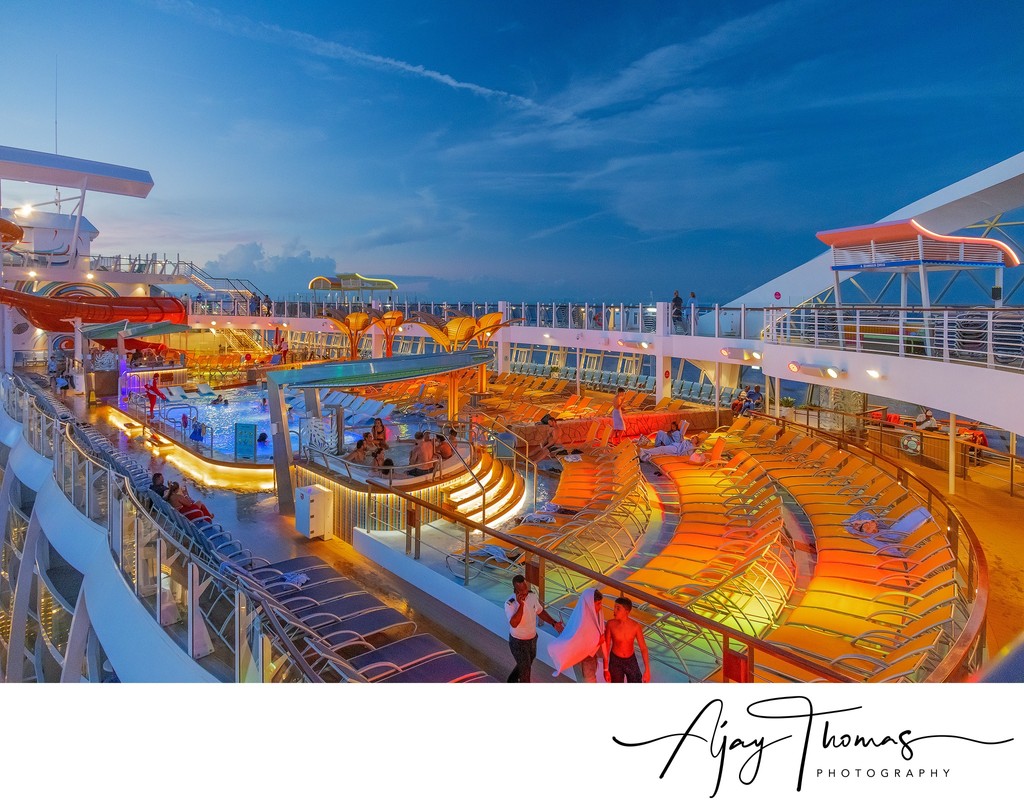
(90, 276)
(547, 336)
(875, 374)
(829, 371)
(627, 343)
(32, 273)
(24, 210)
(213, 322)
(739, 354)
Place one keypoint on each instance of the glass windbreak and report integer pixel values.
(146, 567)
(213, 625)
(129, 532)
(173, 592)
(54, 620)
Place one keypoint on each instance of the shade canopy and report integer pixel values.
(42, 168)
(377, 371)
(905, 243)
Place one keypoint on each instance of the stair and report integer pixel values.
(504, 489)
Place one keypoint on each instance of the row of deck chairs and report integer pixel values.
(359, 411)
(728, 559)
(592, 378)
(377, 641)
(882, 603)
(703, 392)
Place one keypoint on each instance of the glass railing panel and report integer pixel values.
(173, 592)
(214, 626)
(146, 568)
(129, 530)
(17, 528)
(54, 620)
(98, 493)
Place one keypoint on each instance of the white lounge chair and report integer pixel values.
(204, 389)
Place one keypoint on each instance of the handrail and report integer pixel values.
(955, 662)
(754, 645)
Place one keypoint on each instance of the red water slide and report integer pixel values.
(53, 313)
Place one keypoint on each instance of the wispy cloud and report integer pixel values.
(558, 228)
(236, 25)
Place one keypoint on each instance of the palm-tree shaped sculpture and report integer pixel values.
(353, 326)
(455, 335)
(389, 323)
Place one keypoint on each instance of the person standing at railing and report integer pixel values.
(691, 312)
(522, 610)
(677, 313)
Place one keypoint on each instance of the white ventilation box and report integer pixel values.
(314, 512)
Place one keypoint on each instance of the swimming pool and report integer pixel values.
(245, 406)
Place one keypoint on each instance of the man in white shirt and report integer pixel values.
(522, 611)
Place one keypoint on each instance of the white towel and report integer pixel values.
(581, 636)
(297, 578)
(538, 519)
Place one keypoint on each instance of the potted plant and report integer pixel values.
(786, 407)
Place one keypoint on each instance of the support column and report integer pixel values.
(503, 350)
(952, 453)
(376, 344)
(282, 447)
(311, 396)
(453, 397)
(663, 374)
(8, 331)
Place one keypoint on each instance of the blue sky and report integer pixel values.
(601, 150)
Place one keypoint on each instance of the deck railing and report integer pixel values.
(234, 631)
(988, 337)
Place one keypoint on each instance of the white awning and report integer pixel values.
(71, 172)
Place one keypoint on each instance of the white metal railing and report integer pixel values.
(989, 337)
(244, 633)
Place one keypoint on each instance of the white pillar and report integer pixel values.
(952, 453)
(503, 348)
(663, 374)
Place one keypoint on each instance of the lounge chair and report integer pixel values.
(449, 668)
(204, 389)
(395, 657)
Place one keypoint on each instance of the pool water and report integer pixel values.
(245, 406)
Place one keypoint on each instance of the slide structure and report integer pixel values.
(54, 313)
(10, 233)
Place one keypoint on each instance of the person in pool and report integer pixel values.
(379, 433)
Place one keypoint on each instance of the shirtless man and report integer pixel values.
(620, 633)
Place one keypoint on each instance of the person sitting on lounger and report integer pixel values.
(667, 437)
(178, 497)
(547, 442)
(926, 421)
(683, 448)
(755, 400)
